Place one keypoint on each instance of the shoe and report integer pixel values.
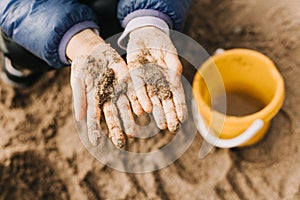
(15, 77)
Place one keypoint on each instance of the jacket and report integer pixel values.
(44, 27)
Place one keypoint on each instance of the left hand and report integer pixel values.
(101, 83)
(156, 74)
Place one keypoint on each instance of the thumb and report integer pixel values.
(79, 96)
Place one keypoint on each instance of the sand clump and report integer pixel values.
(105, 86)
(157, 84)
(107, 89)
(154, 76)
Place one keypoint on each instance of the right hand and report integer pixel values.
(100, 82)
(156, 73)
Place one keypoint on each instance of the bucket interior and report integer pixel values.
(248, 81)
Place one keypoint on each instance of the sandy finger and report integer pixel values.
(113, 124)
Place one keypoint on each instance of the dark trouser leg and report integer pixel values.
(20, 57)
(23, 59)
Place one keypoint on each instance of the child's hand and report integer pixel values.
(100, 82)
(156, 74)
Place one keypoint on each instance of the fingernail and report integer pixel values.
(118, 142)
(163, 126)
(175, 128)
(139, 112)
(94, 138)
(121, 143)
(147, 107)
(130, 135)
(184, 115)
(95, 141)
(130, 131)
(183, 118)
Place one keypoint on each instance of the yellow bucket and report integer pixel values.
(238, 70)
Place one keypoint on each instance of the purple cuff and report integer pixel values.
(70, 33)
(147, 12)
(141, 22)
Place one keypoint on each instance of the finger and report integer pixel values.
(93, 118)
(175, 70)
(179, 101)
(122, 75)
(170, 112)
(139, 86)
(135, 104)
(174, 65)
(113, 124)
(79, 99)
(78, 91)
(158, 113)
(126, 116)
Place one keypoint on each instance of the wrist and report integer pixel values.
(139, 22)
(82, 44)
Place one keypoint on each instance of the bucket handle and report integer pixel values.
(256, 126)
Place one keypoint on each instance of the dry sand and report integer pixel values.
(41, 156)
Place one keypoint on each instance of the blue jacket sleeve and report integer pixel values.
(174, 12)
(44, 27)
